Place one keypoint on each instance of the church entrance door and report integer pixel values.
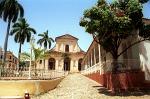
(67, 64)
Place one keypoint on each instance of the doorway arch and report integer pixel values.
(67, 64)
(51, 64)
(79, 64)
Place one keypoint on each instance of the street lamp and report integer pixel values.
(31, 42)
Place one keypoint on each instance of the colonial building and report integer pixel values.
(96, 56)
(97, 64)
(66, 55)
(144, 52)
(11, 59)
(136, 57)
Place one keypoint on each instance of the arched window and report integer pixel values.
(67, 48)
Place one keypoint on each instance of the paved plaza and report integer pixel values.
(77, 86)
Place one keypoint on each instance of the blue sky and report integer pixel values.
(58, 17)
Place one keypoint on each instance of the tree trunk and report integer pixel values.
(19, 55)
(114, 79)
(6, 42)
(114, 62)
(44, 61)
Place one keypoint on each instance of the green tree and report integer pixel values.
(46, 41)
(111, 24)
(10, 10)
(38, 54)
(21, 31)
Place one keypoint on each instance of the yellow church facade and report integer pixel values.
(66, 55)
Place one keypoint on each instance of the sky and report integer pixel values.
(59, 17)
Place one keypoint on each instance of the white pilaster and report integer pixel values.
(76, 65)
(61, 65)
(61, 48)
(91, 59)
(94, 57)
(46, 64)
(71, 66)
(99, 53)
(57, 49)
(70, 48)
(56, 64)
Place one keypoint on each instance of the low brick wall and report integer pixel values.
(125, 81)
(98, 78)
(34, 87)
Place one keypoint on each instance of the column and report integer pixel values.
(61, 64)
(42, 67)
(88, 61)
(99, 53)
(76, 65)
(57, 49)
(91, 59)
(76, 48)
(94, 57)
(61, 47)
(46, 64)
(70, 48)
(71, 66)
(56, 64)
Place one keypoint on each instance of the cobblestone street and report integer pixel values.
(76, 86)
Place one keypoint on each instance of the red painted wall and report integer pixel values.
(127, 80)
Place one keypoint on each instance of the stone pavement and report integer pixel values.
(77, 86)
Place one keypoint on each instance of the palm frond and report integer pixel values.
(32, 30)
(51, 39)
(40, 41)
(38, 53)
(25, 56)
(20, 7)
(42, 35)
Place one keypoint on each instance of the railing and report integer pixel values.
(108, 66)
(24, 73)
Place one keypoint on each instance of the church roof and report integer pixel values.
(66, 36)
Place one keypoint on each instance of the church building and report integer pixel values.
(65, 55)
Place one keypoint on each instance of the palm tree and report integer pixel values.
(38, 54)
(45, 40)
(10, 10)
(21, 31)
(143, 1)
